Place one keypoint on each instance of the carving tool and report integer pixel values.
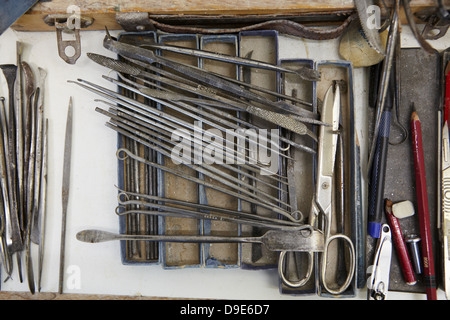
(274, 240)
(175, 206)
(304, 73)
(5, 209)
(31, 186)
(35, 231)
(199, 75)
(65, 192)
(123, 154)
(42, 205)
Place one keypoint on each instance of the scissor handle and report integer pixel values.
(324, 262)
(281, 270)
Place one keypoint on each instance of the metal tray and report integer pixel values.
(417, 68)
(263, 46)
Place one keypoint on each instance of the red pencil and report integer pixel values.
(422, 206)
(447, 94)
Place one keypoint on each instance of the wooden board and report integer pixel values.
(104, 12)
(72, 296)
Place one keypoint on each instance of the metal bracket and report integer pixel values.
(219, 24)
(437, 20)
(435, 28)
(68, 23)
(134, 21)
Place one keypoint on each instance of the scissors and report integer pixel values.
(322, 201)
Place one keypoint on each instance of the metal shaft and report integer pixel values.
(124, 153)
(304, 73)
(144, 109)
(196, 74)
(164, 146)
(165, 136)
(193, 113)
(65, 193)
(206, 210)
(42, 204)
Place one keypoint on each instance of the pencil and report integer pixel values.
(422, 207)
(447, 94)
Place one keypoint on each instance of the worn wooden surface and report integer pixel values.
(206, 7)
(70, 296)
(105, 11)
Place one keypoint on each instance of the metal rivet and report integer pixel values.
(413, 242)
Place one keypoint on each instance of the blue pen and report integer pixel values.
(378, 170)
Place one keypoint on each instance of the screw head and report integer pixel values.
(412, 239)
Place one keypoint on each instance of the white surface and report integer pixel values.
(93, 195)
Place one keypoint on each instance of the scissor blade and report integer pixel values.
(328, 135)
(327, 146)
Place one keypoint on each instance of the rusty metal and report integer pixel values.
(61, 22)
(281, 25)
(412, 23)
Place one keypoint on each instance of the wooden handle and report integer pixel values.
(400, 246)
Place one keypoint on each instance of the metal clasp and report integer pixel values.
(70, 23)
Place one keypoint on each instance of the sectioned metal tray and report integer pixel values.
(263, 46)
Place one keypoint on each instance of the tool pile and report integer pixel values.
(153, 127)
(236, 149)
(23, 167)
(160, 97)
(392, 224)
